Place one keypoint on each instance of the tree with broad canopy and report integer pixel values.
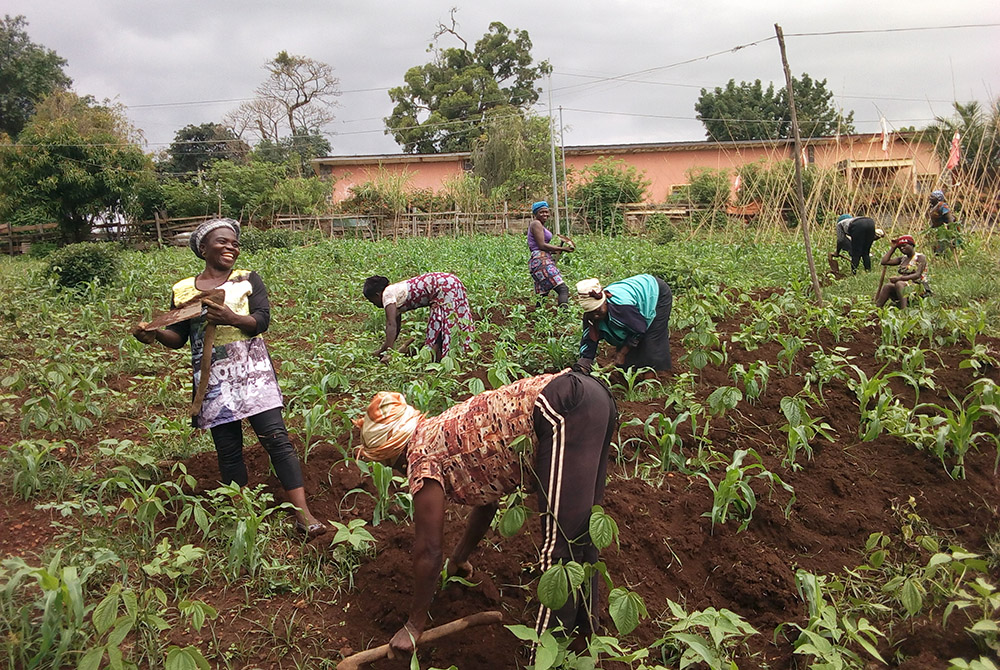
(442, 105)
(195, 147)
(28, 73)
(77, 163)
(748, 111)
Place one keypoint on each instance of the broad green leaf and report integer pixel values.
(523, 632)
(603, 528)
(553, 587)
(122, 628)
(513, 520)
(911, 597)
(576, 574)
(92, 659)
(105, 613)
(115, 658)
(701, 647)
(188, 658)
(547, 652)
(626, 608)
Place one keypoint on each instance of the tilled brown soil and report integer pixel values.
(668, 549)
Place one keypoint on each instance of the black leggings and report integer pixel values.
(862, 236)
(562, 291)
(273, 436)
(575, 418)
(654, 347)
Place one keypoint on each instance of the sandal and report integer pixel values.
(310, 531)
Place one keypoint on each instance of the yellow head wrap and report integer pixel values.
(387, 426)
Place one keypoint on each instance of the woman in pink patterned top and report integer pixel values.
(444, 293)
(550, 433)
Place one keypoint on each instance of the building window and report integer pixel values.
(467, 165)
(811, 153)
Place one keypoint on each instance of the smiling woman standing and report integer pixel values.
(241, 383)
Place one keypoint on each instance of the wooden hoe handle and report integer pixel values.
(355, 661)
(881, 282)
(206, 356)
(206, 367)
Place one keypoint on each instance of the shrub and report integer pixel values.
(607, 185)
(42, 249)
(426, 200)
(660, 228)
(708, 195)
(773, 185)
(387, 193)
(256, 239)
(77, 264)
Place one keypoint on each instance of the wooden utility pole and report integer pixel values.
(800, 200)
(552, 151)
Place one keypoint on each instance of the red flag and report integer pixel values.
(956, 153)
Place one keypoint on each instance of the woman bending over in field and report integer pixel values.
(442, 292)
(913, 269)
(632, 314)
(469, 455)
(241, 383)
(542, 263)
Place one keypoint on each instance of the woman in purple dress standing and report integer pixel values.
(542, 262)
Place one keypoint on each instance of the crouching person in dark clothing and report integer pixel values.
(633, 315)
(855, 235)
(469, 455)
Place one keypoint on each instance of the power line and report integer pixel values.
(194, 103)
(874, 31)
(691, 118)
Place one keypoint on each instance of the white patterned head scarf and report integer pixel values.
(590, 294)
(205, 228)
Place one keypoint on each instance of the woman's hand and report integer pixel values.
(145, 336)
(461, 569)
(220, 314)
(404, 642)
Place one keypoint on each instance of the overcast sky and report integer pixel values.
(623, 70)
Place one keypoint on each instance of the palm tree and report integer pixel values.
(980, 133)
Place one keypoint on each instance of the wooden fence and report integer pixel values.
(18, 239)
(162, 231)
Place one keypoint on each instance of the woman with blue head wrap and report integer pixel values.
(943, 228)
(855, 236)
(542, 262)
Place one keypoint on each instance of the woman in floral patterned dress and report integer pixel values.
(442, 292)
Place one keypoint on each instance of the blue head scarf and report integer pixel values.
(844, 216)
(537, 206)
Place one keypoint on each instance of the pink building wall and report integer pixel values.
(665, 165)
(430, 173)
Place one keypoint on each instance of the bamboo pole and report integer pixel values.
(799, 197)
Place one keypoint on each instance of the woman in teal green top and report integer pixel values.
(633, 315)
